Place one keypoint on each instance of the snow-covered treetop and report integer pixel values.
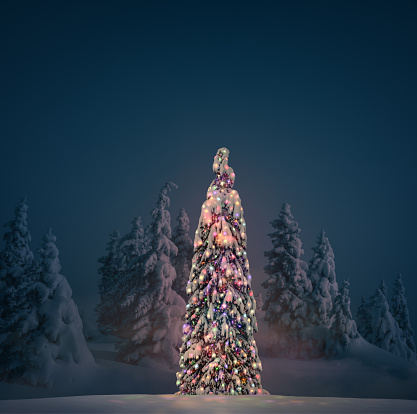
(17, 251)
(225, 175)
(160, 227)
(322, 262)
(49, 253)
(287, 233)
(383, 288)
(183, 222)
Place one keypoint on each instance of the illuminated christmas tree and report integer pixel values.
(219, 354)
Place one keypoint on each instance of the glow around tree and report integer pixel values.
(219, 354)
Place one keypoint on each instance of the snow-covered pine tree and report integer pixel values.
(16, 275)
(322, 275)
(287, 289)
(127, 277)
(386, 333)
(50, 338)
(182, 262)
(323, 280)
(401, 315)
(364, 320)
(152, 310)
(343, 327)
(219, 354)
(107, 312)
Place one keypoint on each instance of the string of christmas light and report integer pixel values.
(219, 354)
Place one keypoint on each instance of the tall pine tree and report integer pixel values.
(401, 315)
(182, 262)
(219, 354)
(152, 309)
(287, 288)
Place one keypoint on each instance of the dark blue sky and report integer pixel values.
(102, 102)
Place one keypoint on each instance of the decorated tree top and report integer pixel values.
(219, 354)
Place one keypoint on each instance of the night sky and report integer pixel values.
(102, 102)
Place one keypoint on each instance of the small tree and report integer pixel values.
(153, 310)
(16, 274)
(343, 328)
(364, 320)
(182, 262)
(401, 315)
(107, 312)
(386, 333)
(287, 288)
(323, 279)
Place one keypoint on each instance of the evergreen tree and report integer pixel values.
(401, 315)
(218, 353)
(182, 262)
(287, 288)
(107, 312)
(386, 333)
(343, 327)
(16, 274)
(152, 309)
(364, 320)
(323, 279)
(50, 336)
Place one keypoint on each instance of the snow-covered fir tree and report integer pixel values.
(401, 315)
(107, 312)
(323, 280)
(16, 261)
(386, 333)
(121, 269)
(364, 320)
(50, 337)
(219, 353)
(287, 289)
(153, 311)
(182, 262)
(343, 327)
(322, 275)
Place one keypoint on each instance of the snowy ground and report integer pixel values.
(206, 404)
(367, 379)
